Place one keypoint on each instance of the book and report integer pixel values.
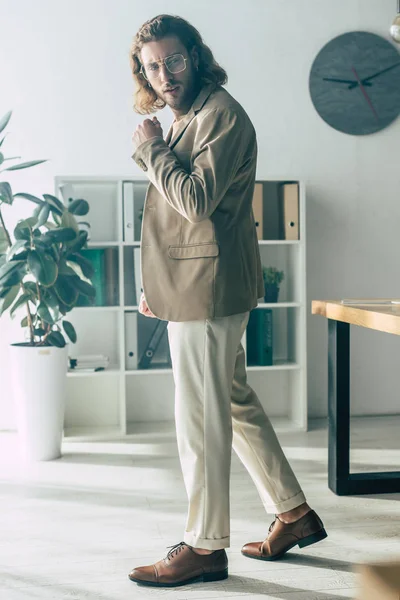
(259, 338)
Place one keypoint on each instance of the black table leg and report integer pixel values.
(340, 480)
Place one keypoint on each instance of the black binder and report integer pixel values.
(153, 344)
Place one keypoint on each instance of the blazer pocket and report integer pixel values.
(207, 249)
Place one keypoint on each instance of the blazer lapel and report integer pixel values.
(172, 140)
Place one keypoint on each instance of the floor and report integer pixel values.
(74, 527)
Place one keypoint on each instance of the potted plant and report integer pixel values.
(42, 272)
(272, 280)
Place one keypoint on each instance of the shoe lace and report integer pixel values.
(177, 548)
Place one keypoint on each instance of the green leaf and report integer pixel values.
(26, 165)
(6, 193)
(1, 158)
(21, 256)
(15, 248)
(54, 202)
(31, 287)
(4, 120)
(84, 288)
(70, 331)
(50, 297)
(79, 207)
(50, 225)
(43, 215)
(55, 338)
(85, 264)
(77, 244)
(9, 298)
(3, 241)
(65, 269)
(23, 299)
(44, 313)
(69, 220)
(39, 331)
(12, 273)
(23, 231)
(24, 322)
(29, 197)
(43, 267)
(1, 142)
(60, 235)
(66, 292)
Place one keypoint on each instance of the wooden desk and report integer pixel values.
(381, 318)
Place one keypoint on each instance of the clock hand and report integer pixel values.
(367, 79)
(365, 93)
(351, 81)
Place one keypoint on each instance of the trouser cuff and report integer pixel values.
(191, 539)
(286, 505)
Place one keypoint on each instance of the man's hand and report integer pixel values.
(144, 309)
(150, 128)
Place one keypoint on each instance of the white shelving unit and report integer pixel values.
(107, 404)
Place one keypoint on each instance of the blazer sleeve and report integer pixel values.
(218, 151)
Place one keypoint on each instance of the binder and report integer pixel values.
(259, 336)
(272, 211)
(137, 270)
(131, 341)
(133, 199)
(153, 344)
(258, 210)
(67, 192)
(128, 211)
(111, 279)
(290, 211)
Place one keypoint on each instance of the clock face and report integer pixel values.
(355, 83)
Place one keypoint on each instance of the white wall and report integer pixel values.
(64, 71)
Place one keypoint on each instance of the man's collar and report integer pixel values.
(173, 137)
(202, 96)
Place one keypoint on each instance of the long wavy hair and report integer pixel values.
(145, 99)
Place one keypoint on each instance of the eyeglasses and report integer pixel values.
(174, 63)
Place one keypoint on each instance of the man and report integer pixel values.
(201, 272)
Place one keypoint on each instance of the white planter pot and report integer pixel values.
(39, 381)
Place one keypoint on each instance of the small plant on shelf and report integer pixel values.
(272, 280)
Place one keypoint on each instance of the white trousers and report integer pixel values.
(215, 408)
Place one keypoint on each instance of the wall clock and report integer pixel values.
(355, 83)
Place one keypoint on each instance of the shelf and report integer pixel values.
(100, 405)
(103, 244)
(106, 373)
(279, 365)
(98, 308)
(148, 371)
(279, 242)
(279, 305)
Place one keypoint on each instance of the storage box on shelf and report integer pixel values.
(135, 387)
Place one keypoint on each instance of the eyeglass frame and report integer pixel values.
(162, 62)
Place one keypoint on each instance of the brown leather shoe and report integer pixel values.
(181, 566)
(307, 530)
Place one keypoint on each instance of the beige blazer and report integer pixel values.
(200, 254)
